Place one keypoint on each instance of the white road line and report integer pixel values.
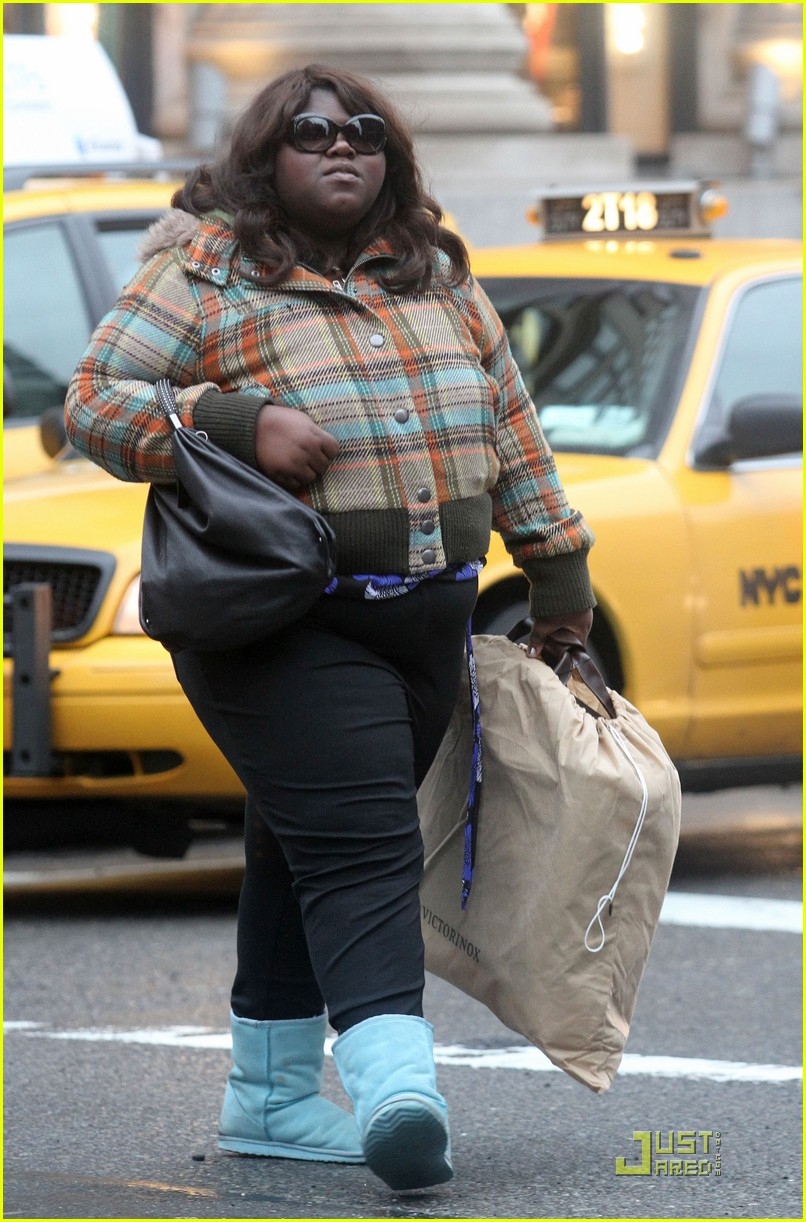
(732, 912)
(518, 1057)
(632, 1063)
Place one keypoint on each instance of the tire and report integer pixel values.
(499, 621)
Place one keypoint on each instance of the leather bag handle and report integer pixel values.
(565, 653)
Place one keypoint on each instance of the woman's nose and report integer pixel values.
(340, 147)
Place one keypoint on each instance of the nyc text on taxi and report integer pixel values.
(666, 369)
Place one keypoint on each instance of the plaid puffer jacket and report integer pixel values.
(439, 440)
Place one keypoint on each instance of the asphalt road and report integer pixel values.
(116, 1054)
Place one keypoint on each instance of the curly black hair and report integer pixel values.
(241, 182)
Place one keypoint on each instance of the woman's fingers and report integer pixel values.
(290, 448)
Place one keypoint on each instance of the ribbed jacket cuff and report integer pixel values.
(559, 585)
(229, 419)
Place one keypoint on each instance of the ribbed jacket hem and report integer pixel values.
(378, 540)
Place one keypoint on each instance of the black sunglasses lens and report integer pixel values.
(314, 133)
(366, 133)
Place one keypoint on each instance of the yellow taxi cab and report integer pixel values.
(666, 369)
(91, 706)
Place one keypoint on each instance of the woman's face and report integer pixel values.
(327, 194)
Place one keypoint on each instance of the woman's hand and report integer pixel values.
(290, 448)
(579, 622)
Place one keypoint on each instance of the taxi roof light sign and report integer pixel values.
(657, 209)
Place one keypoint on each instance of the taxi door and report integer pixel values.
(744, 524)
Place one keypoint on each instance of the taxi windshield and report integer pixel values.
(603, 360)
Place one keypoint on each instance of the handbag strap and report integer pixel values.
(565, 653)
(167, 401)
(476, 771)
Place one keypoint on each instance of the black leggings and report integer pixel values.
(331, 725)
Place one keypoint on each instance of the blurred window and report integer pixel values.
(47, 317)
(763, 349)
(603, 361)
(119, 245)
(46, 322)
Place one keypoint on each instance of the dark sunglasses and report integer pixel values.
(365, 134)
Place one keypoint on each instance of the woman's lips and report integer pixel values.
(342, 172)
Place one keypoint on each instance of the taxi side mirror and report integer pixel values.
(9, 394)
(53, 435)
(758, 426)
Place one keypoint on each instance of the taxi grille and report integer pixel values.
(78, 579)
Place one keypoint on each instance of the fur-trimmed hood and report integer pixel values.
(204, 247)
(174, 228)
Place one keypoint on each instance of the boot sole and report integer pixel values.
(277, 1149)
(406, 1145)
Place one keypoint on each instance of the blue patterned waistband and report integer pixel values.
(373, 587)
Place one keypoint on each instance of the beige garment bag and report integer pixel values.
(575, 840)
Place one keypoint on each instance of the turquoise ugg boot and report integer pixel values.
(272, 1104)
(387, 1067)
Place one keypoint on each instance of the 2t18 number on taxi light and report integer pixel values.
(610, 211)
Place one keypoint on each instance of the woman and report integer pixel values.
(320, 323)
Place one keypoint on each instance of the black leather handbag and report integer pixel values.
(228, 556)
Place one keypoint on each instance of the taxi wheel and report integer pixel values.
(498, 620)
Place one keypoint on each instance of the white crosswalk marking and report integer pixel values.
(515, 1057)
(679, 908)
(732, 912)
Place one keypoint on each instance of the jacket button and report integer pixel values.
(402, 415)
(429, 555)
(428, 526)
(376, 340)
(424, 495)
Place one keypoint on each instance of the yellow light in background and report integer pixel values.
(713, 206)
(784, 56)
(626, 24)
(72, 20)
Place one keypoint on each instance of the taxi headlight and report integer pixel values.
(127, 620)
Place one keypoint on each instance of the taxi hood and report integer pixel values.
(602, 487)
(74, 503)
(578, 469)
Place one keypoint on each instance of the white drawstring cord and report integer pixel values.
(607, 900)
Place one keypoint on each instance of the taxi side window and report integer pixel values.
(119, 245)
(46, 320)
(762, 354)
